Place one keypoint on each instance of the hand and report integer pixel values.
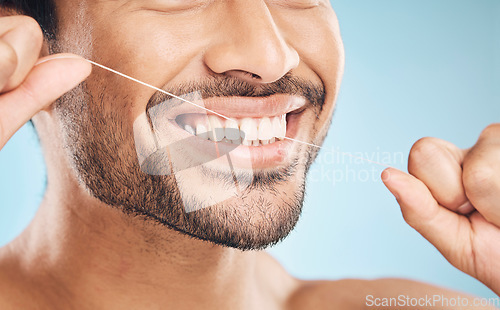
(452, 198)
(26, 88)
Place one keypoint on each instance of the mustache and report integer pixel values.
(228, 86)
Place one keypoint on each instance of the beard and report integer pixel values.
(100, 143)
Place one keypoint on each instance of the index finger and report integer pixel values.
(438, 164)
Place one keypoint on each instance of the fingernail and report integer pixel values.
(386, 175)
(466, 208)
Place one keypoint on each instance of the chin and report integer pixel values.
(258, 210)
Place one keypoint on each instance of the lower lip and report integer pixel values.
(260, 157)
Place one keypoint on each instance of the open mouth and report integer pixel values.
(248, 131)
(252, 121)
(255, 133)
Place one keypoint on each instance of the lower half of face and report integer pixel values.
(188, 172)
(237, 180)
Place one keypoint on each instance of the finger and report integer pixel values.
(8, 63)
(481, 175)
(25, 37)
(448, 231)
(45, 83)
(438, 164)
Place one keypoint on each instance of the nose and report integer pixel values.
(249, 45)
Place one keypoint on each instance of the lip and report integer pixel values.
(200, 150)
(246, 157)
(240, 107)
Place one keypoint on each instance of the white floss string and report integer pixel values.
(137, 81)
(192, 103)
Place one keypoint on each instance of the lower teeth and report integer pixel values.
(248, 142)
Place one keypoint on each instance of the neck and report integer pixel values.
(96, 253)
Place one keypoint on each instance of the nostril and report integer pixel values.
(255, 76)
(244, 75)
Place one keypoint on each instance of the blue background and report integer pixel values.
(413, 69)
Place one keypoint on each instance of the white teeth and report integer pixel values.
(265, 129)
(283, 127)
(216, 128)
(248, 129)
(276, 123)
(189, 129)
(232, 131)
(201, 131)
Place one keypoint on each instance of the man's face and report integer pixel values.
(269, 66)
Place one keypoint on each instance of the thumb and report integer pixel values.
(448, 231)
(48, 80)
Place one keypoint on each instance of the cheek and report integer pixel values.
(147, 56)
(321, 49)
(153, 50)
(315, 35)
(152, 46)
(319, 45)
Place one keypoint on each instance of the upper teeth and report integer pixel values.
(247, 131)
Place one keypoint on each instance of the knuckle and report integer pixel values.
(423, 150)
(31, 29)
(491, 131)
(29, 24)
(410, 220)
(425, 147)
(478, 179)
(8, 59)
(414, 221)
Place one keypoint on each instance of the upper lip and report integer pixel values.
(241, 107)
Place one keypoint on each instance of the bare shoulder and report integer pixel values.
(380, 294)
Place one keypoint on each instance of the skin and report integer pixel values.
(80, 253)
